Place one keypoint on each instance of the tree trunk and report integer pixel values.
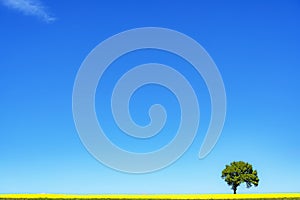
(234, 190)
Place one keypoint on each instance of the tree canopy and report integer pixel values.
(240, 172)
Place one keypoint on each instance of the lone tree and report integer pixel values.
(240, 172)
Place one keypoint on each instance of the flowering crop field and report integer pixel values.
(153, 196)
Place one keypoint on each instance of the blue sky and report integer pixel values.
(255, 45)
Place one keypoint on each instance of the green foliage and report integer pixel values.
(240, 172)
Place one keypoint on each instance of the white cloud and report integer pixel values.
(29, 7)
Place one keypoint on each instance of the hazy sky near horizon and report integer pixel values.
(255, 45)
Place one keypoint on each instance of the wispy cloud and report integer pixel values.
(30, 7)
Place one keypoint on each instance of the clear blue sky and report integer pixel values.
(255, 44)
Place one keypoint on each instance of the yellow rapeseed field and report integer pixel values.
(153, 196)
